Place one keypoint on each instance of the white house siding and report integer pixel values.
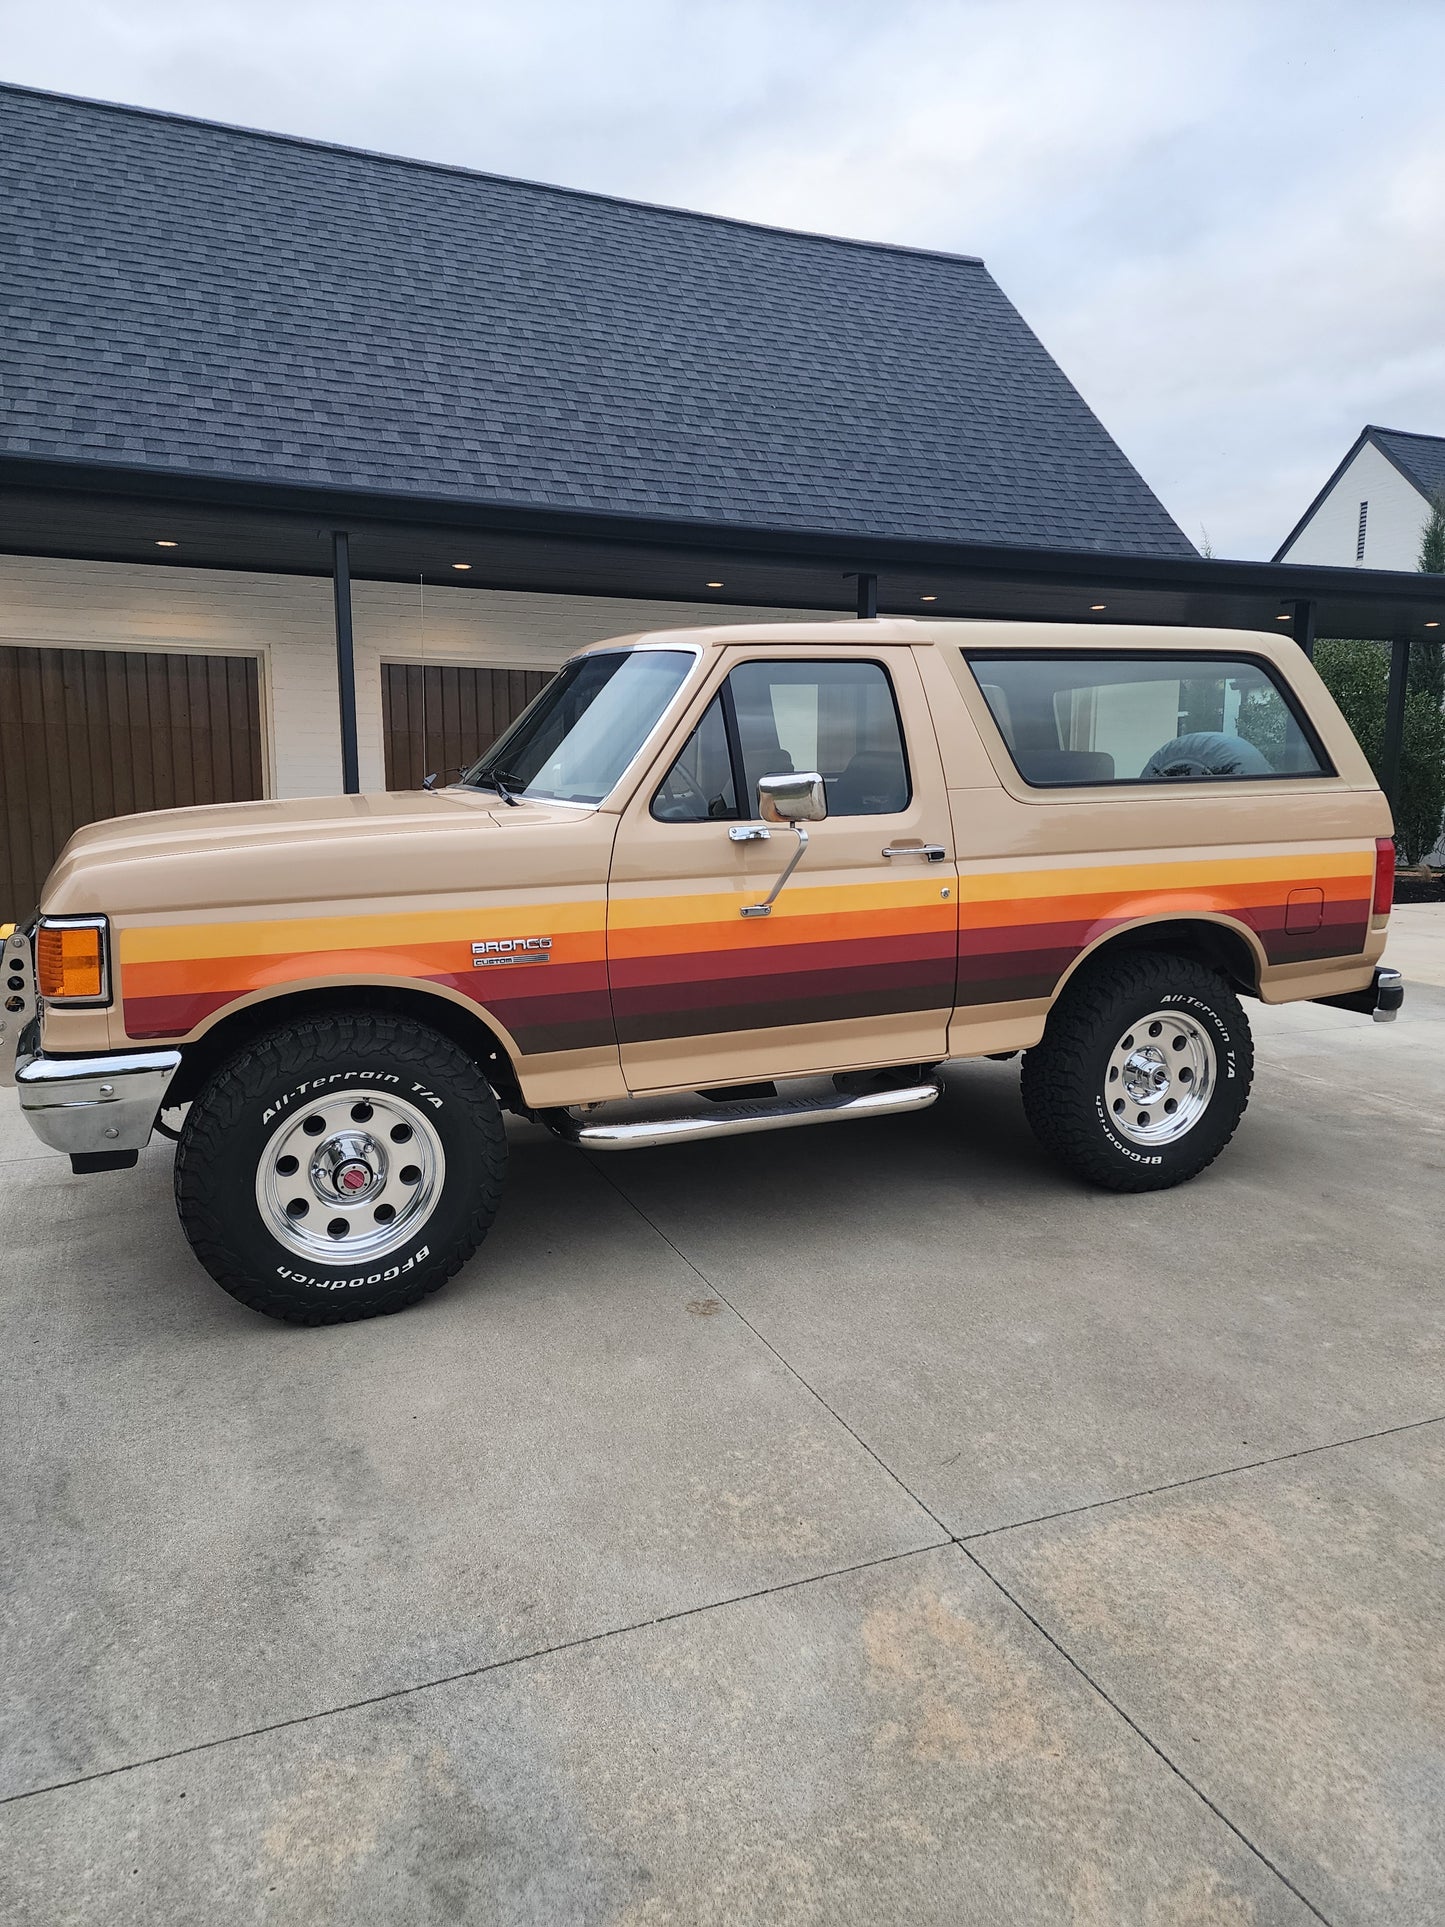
(1392, 529)
(286, 622)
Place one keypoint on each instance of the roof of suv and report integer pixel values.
(1051, 636)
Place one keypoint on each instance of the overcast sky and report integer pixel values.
(1226, 220)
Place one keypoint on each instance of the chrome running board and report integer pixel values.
(738, 1119)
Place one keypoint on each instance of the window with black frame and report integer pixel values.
(778, 718)
(1083, 720)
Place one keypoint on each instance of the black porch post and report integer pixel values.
(345, 663)
(867, 597)
(1395, 720)
(1302, 627)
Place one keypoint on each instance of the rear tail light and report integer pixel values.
(70, 960)
(1384, 875)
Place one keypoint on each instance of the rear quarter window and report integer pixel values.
(1084, 720)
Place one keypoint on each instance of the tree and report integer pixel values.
(1426, 682)
(1427, 659)
(1432, 537)
(1357, 675)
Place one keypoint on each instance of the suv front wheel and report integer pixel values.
(340, 1167)
(1143, 1072)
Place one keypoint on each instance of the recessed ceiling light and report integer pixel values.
(1432, 625)
(1284, 617)
(1098, 605)
(461, 565)
(928, 598)
(165, 545)
(714, 585)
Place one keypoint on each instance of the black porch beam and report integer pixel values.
(1302, 627)
(1395, 720)
(345, 661)
(867, 603)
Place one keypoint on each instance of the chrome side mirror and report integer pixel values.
(795, 798)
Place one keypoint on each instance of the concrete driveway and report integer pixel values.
(865, 1525)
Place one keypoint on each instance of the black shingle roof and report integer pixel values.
(1420, 458)
(199, 299)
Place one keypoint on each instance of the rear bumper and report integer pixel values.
(1381, 998)
(95, 1106)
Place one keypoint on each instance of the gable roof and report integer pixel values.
(1419, 458)
(204, 300)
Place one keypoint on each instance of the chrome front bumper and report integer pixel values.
(93, 1106)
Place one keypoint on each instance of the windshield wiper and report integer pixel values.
(495, 780)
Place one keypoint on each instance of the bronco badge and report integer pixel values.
(511, 950)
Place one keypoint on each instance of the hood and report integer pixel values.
(333, 848)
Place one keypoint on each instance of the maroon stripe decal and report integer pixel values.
(766, 961)
(172, 1016)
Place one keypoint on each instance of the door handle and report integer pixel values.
(749, 833)
(934, 852)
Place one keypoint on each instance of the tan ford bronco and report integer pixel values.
(712, 881)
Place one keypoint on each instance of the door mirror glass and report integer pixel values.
(798, 797)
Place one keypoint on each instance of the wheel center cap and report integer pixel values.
(348, 1168)
(1146, 1075)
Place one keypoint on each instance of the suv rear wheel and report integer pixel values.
(1143, 1072)
(340, 1167)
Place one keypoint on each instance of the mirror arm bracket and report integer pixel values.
(765, 908)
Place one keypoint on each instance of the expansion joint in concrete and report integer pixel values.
(1198, 1478)
(417, 1687)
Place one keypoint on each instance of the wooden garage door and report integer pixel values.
(88, 733)
(438, 718)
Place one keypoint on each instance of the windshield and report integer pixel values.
(574, 741)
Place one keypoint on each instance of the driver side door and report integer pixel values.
(854, 963)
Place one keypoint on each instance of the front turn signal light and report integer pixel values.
(70, 961)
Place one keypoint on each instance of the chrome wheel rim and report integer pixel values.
(1160, 1078)
(353, 1176)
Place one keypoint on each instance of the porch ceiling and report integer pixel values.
(120, 516)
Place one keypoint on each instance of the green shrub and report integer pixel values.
(1357, 675)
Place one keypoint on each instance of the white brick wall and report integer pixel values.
(1396, 520)
(286, 621)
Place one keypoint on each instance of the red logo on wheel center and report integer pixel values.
(354, 1177)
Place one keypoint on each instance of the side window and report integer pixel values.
(1075, 719)
(699, 786)
(838, 718)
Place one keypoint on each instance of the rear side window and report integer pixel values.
(1083, 720)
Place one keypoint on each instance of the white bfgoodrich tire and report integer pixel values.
(1143, 1071)
(340, 1167)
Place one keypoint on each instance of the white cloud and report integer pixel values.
(1227, 220)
